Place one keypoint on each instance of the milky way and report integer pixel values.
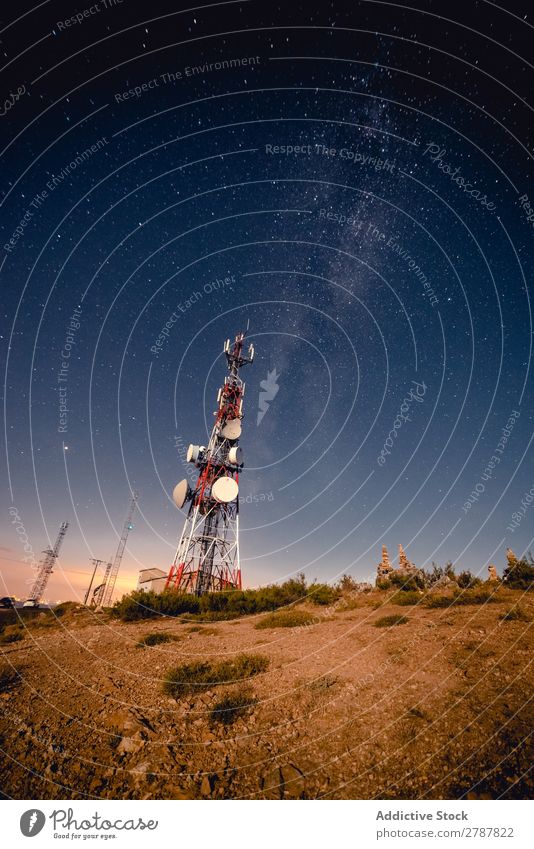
(355, 182)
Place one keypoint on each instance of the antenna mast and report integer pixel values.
(47, 566)
(207, 559)
(103, 594)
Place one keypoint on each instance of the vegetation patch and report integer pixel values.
(5, 639)
(324, 683)
(406, 599)
(517, 614)
(520, 575)
(389, 621)
(9, 678)
(323, 594)
(156, 639)
(203, 675)
(287, 619)
(211, 606)
(232, 706)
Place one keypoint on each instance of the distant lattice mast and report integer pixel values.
(207, 558)
(47, 566)
(104, 593)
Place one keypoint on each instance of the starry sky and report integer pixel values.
(355, 181)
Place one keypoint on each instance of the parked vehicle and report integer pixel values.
(7, 601)
(31, 603)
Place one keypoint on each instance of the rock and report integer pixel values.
(207, 784)
(271, 784)
(293, 782)
(129, 745)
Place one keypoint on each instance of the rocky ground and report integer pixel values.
(437, 707)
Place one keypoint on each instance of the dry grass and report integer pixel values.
(156, 639)
(203, 675)
(517, 614)
(232, 706)
(390, 621)
(287, 619)
(9, 678)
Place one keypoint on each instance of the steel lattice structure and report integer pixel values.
(207, 558)
(104, 592)
(47, 566)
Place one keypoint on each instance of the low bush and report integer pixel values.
(64, 607)
(287, 619)
(478, 595)
(389, 621)
(9, 678)
(433, 600)
(203, 675)
(520, 575)
(517, 614)
(483, 594)
(12, 637)
(407, 583)
(148, 605)
(210, 607)
(232, 706)
(323, 594)
(406, 599)
(156, 639)
(466, 580)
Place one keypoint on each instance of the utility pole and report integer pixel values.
(96, 563)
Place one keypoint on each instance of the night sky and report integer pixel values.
(353, 180)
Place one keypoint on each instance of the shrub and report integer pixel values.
(203, 675)
(287, 619)
(466, 580)
(406, 583)
(478, 595)
(431, 577)
(232, 706)
(520, 575)
(64, 607)
(323, 594)
(389, 621)
(346, 584)
(405, 599)
(516, 614)
(12, 637)
(156, 638)
(433, 601)
(9, 678)
(210, 606)
(147, 605)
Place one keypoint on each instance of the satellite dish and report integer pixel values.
(232, 429)
(224, 490)
(181, 493)
(235, 456)
(193, 453)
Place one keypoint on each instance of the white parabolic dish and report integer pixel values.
(232, 429)
(235, 455)
(180, 493)
(224, 490)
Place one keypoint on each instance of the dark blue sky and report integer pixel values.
(383, 263)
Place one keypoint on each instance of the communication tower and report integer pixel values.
(104, 592)
(46, 566)
(207, 558)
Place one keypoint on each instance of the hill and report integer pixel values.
(362, 698)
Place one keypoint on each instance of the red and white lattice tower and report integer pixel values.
(207, 558)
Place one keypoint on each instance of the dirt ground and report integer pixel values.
(438, 707)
